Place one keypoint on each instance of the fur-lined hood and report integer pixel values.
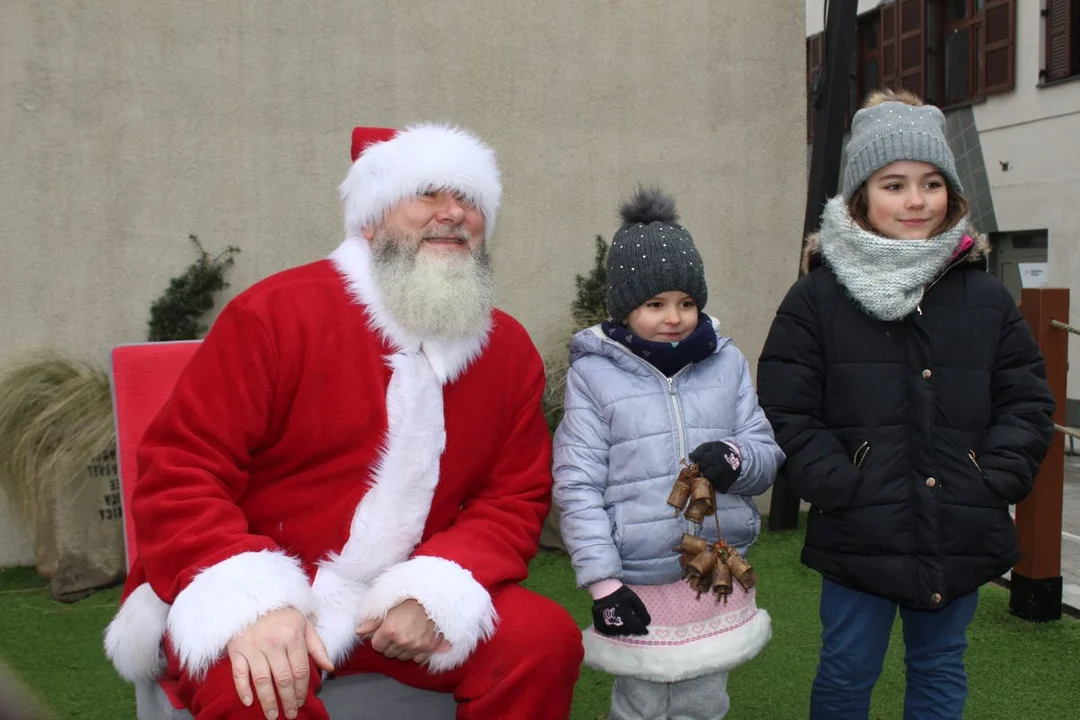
(979, 252)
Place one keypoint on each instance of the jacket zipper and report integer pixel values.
(975, 461)
(672, 393)
(944, 272)
(674, 396)
(688, 525)
(861, 453)
(678, 412)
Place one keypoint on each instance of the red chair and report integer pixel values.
(143, 377)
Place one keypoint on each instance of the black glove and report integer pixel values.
(719, 463)
(620, 613)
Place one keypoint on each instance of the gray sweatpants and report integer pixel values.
(701, 698)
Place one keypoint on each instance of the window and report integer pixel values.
(957, 70)
(996, 64)
(865, 75)
(966, 48)
(908, 18)
(867, 61)
(1062, 19)
(946, 51)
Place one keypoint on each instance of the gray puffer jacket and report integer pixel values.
(619, 448)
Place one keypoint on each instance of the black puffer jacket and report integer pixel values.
(910, 439)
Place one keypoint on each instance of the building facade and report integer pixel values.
(1007, 75)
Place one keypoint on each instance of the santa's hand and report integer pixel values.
(406, 633)
(274, 653)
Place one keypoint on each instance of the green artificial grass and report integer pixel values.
(1017, 669)
(56, 649)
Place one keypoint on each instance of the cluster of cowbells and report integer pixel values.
(708, 567)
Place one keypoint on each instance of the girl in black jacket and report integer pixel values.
(911, 401)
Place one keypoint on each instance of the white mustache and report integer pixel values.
(447, 234)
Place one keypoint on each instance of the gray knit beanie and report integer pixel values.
(650, 254)
(891, 131)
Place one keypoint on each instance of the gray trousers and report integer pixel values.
(701, 698)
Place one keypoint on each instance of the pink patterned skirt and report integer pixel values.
(688, 637)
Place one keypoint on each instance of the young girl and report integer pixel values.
(911, 401)
(648, 392)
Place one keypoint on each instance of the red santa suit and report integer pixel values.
(316, 455)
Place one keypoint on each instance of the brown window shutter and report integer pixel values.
(999, 46)
(912, 46)
(814, 50)
(890, 60)
(1058, 55)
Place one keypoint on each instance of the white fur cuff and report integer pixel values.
(133, 638)
(226, 598)
(336, 615)
(459, 606)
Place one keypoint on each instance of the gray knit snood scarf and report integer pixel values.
(885, 277)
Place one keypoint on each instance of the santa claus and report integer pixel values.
(353, 470)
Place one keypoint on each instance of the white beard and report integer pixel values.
(448, 297)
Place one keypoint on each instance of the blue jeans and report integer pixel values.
(854, 637)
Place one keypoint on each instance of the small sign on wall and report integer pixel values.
(1032, 275)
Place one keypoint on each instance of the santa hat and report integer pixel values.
(391, 165)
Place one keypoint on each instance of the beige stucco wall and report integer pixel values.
(1036, 130)
(127, 125)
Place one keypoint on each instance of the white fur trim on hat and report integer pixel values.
(419, 158)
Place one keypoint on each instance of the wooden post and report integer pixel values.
(1035, 589)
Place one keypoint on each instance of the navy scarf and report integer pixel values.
(667, 357)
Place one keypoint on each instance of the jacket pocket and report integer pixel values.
(975, 461)
(861, 454)
(617, 527)
(992, 498)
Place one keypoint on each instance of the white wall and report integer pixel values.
(1037, 131)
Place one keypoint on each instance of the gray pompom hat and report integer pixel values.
(651, 254)
(890, 131)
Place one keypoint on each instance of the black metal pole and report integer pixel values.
(829, 97)
(831, 107)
